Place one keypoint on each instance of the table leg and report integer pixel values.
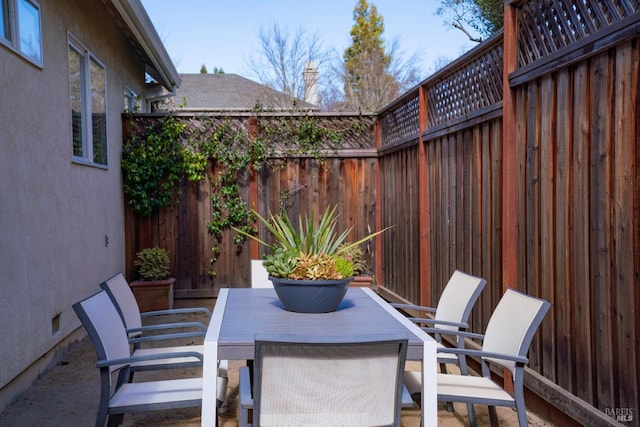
(429, 384)
(209, 416)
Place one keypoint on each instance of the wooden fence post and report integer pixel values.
(377, 135)
(423, 203)
(509, 220)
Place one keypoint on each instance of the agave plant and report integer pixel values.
(312, 251)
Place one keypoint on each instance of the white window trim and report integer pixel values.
(132, 103)
(13, 42)
(87, 128)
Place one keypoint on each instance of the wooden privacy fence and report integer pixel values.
(341, 174)
(520, 162)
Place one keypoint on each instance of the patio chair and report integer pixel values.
(303, 381)
(120, 293)
(453, 310)
(125, 303)
(109, 337)
(506, 342)
(259, 275)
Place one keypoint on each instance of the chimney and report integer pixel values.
(310, 76)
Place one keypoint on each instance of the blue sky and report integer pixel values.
(223, 33)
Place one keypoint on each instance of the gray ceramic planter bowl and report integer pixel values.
(310, 296)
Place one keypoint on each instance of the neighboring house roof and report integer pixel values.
(202, 92)
(137, 26)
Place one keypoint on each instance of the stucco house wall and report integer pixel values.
(61, 222)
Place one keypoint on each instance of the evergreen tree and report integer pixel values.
(368, 82)
(203, 69)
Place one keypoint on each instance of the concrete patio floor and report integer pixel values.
(68, 396)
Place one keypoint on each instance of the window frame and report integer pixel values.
(131, 100)
(87, 132)
(11, 36)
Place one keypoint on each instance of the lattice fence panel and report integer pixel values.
(285, 133)
(472, 87)
(401, 123)
(546, 26)
(332, 132)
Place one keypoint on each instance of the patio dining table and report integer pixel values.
(240, 313)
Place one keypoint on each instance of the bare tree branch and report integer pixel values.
(283, 56)
(460, 27)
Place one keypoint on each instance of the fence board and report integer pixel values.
(601, 255)
(532, 208)
(563, 283)
(475, 210)
(487, 181)
(581, 324)
(493, 247)
(547, 208)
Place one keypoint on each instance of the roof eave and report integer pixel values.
(158, 62)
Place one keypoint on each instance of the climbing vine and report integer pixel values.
(159, 157)
(153, 165)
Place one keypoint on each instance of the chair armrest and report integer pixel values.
(128, 360)
(483, 354)
(176, 311)
(245, 392)
(159, 327)
(413, 307)
(428, 321)
(162, 337)
(464, 334)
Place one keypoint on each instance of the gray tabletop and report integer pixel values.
(258, 311)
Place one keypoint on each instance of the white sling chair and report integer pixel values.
(302, 381)
(259, 275)
(106, 331)
(452, 313)
(506, 342)
(125, 303)
(122, 296)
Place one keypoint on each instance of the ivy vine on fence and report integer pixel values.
(161, 154)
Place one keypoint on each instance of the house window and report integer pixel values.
(20, 28)
(131, 101)
(87, 85)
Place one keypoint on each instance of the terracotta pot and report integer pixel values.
(363, 281)
(154, 295)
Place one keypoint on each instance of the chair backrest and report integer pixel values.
(259, 275)
(104, 327)
(458, 298)
(512, 326)
(304, 381)
(124, 300)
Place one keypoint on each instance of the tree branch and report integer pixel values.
(459, 26)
